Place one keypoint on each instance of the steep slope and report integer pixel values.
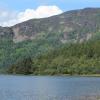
(6, 32)
(77, 25)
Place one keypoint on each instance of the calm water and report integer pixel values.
(48, 88)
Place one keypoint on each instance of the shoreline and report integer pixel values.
(57, 75)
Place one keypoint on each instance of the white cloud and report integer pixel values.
(8, 18)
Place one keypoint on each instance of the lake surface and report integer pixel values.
(49, 88)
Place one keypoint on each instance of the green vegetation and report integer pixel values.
(11, 53)
(47, 55)
(73, 59)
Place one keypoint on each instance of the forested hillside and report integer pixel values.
(69, 59)
(64, 44)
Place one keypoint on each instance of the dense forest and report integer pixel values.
(47, 55)
(11, 53)
(73, 58)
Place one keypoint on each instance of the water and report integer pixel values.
(49, 88)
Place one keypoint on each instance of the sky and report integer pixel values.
(17, 11)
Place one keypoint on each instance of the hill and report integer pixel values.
(26, 44)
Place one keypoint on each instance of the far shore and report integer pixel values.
(65, 75)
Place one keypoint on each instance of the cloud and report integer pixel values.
(9, 18)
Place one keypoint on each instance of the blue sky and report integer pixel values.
(62, 4)
(15, 11)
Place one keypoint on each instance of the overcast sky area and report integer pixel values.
(16, 11)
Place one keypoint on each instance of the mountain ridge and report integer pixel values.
(70, 24)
